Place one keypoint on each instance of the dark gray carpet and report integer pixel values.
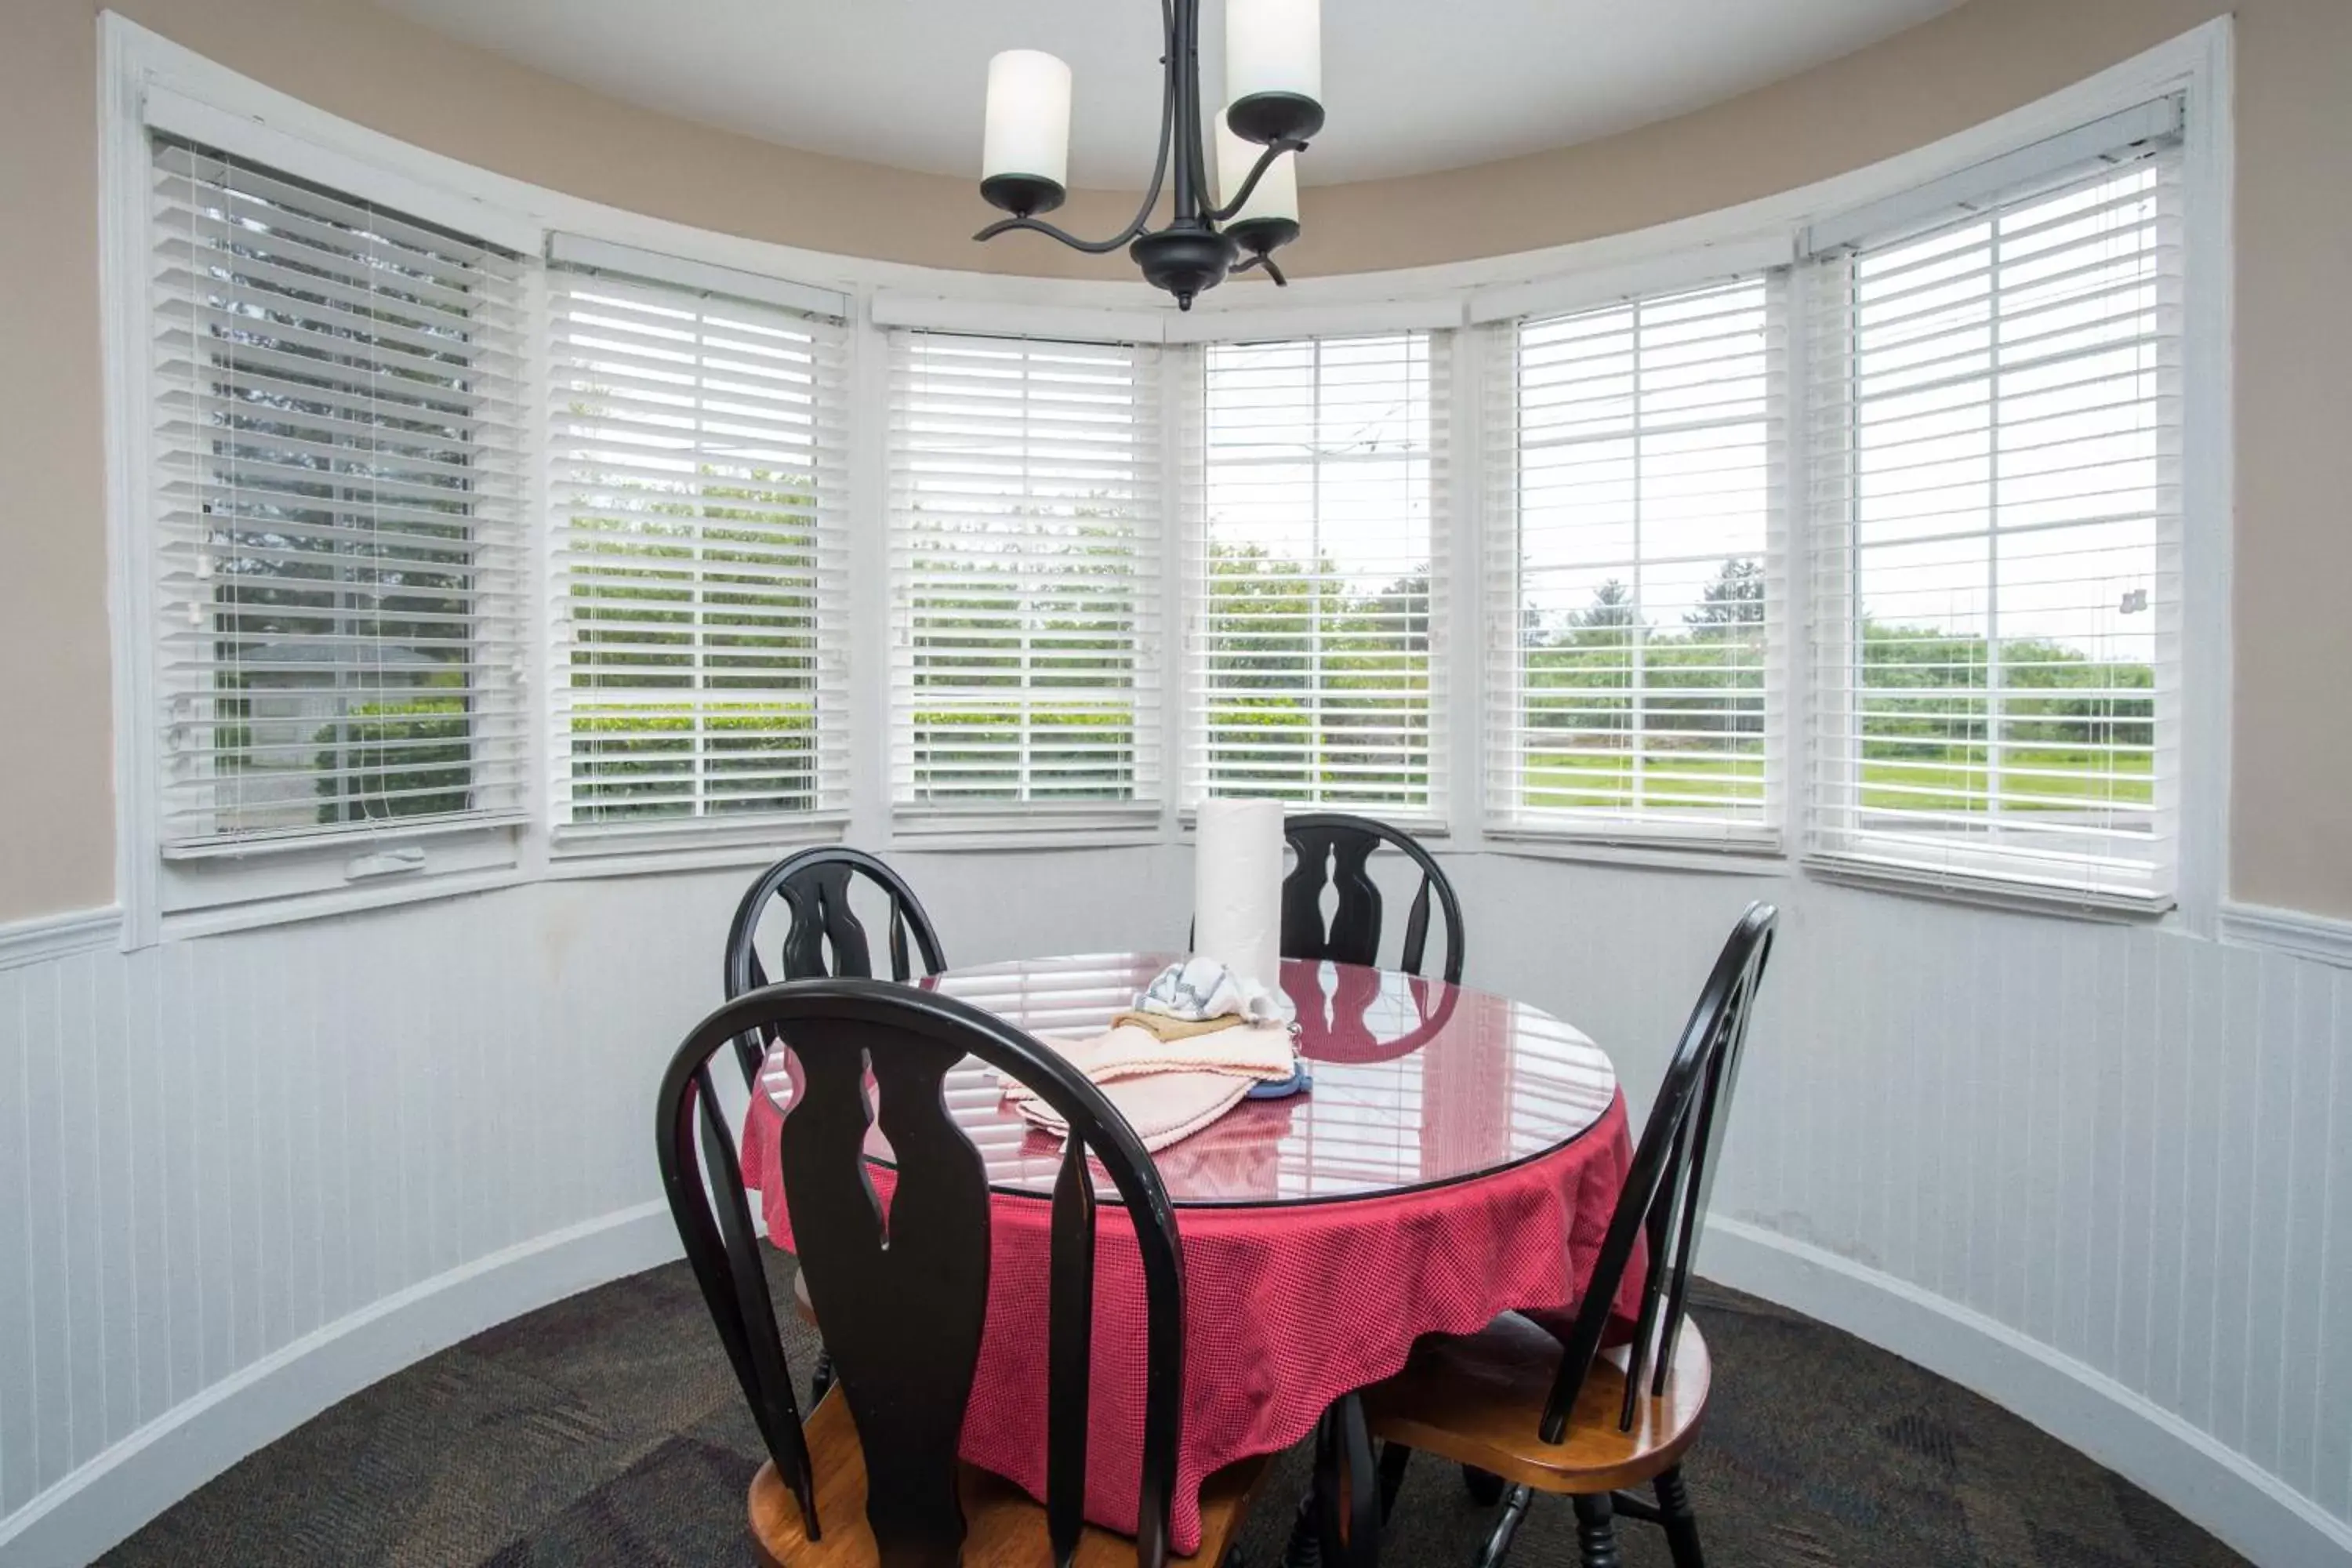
(607, 1430)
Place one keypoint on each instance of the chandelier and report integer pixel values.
(1273, 74)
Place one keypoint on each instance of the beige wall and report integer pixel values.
(2291, 842)
(57, 828)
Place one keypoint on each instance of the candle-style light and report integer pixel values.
(1025, 157)
(1273, 67)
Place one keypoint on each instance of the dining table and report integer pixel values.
(1456, 1155)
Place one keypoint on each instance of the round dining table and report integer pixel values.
(1457, 1156)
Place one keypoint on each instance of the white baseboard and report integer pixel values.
(2253, 1512)
(104, 1500)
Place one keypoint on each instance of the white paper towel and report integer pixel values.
(1237, 889)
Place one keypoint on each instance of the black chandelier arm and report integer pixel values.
(1272, 269)
(1142, 220)
(1273, 150)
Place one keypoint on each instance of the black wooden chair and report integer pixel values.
(870, 1476)
(825, 938)
(1564, 1415)
(1335, 850)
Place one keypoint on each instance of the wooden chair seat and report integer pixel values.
(1007, 1526)
(1478, 1399)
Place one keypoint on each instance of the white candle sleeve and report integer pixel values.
(1028, 128)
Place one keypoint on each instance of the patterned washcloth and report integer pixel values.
(1167, 1028)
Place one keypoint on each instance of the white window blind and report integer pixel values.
(337, 516)
(1634, 568)
(1316, 572)
(1994, 454)
(699, 463)
(1025, 484)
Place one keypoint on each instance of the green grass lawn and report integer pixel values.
(1915, 777)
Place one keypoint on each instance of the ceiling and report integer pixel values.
(1411, 85)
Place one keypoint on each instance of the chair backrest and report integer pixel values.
(825, 936)
(1665, 1193)
(903, 1312)
(1335, 849)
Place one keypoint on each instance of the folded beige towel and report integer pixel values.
(1167, 1089)
(1167, 1028)
(1260, 1055)
(1162, 1107)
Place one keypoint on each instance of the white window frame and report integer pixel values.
(229, 885)
(1499, 462)
(1836, 844)
(590, 844)
(979, 821)
(1454, 371)
(139, 67)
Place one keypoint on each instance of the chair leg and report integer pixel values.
(1393, 1459)
(1486, 1486)
(1681, 1524)
(1507, 1526)
(1305, 1547)
(1596, 1532)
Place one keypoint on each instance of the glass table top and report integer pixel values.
(1416, 1083)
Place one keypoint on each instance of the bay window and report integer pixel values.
(456, 542)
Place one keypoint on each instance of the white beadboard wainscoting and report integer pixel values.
(2099, 1173)
(243, 1176)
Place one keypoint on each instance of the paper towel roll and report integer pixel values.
(1237, 889)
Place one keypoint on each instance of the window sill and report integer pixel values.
(920, 830)
(291, 879)
(1755, 858)
(1188, 821)
(360, 898)
(348, 841)
(2110, 906)
(577, 853)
